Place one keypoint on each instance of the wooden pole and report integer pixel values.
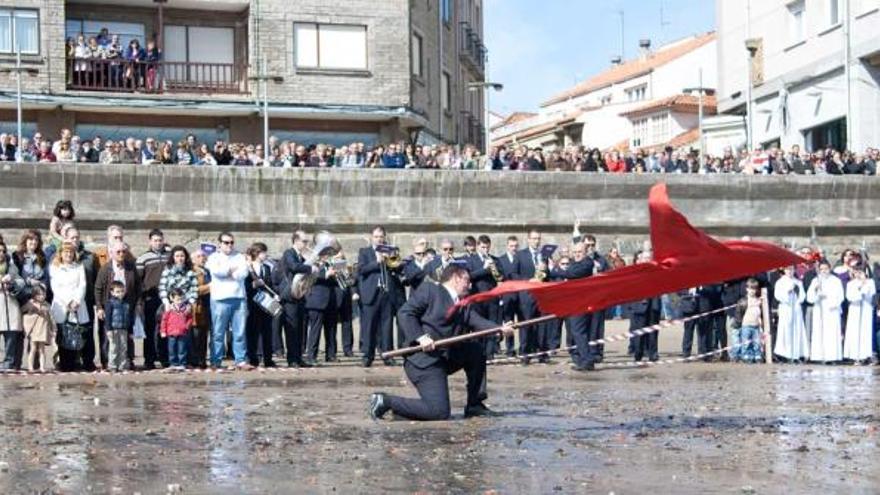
(438, 344)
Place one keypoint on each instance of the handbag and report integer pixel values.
(72, 335)
(268, 301)
(138, 328)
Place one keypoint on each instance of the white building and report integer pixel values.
(803, 88)
(598, 112)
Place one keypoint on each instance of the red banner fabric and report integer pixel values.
(684, 257)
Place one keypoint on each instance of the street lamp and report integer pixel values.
(485, 86)
(18, 69)
(265, 78)
(700, 91)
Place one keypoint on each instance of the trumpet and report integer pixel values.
(490, 264)
(540, 274)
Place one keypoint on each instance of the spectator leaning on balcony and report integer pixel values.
(45, 154)
(7, 149)
(130, 154)
(65, 154)
(204, 156)
(242, 159)
(135, 57)
(150, 153)
(113, 53)
(221, 153)
(152, 56)
(65, 136)
(81, 56)
(104, 37)
(111, 153)
(183, 155)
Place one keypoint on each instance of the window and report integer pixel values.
(446, 9)
(660, 128)
(417, 55)
(19, 29)
(833, 12)
(330, 46)
(606, 100)
(445, 95)
(199, 45)
(637, 93)
(127, 31)
(796, 21)
(640, 133)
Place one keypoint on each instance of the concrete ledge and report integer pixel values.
(409, 202)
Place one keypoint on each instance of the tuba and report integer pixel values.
(325, 245)
(494, 271)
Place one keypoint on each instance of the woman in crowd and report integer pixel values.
(81, 54)
(201, 312)
(30, 261)
(184, 156)
(67, 278)
(178, 274)
(11, 285)
(65, 154)
(204, 156)
(166, 154)
(259, 323)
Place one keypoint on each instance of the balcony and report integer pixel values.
(472, 50)
(156, 77)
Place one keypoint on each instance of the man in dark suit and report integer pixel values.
(322, 310)
(343, 293)
(508, 263)
(480, 265)
(711, 329)
(687, 306)
(293, 319)
(644, 313)
(415, 268)
(530, 262)
(440, 262)
(578, 326)
(425, 318)
(597, 320)
(374, 287)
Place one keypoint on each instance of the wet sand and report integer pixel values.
(684, 428)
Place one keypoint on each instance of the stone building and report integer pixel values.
(341, 70)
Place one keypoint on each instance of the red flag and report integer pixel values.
(684, 257)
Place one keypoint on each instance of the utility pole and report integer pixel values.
(847, 72)
(622, 36)
(263, 77)
(18, 70)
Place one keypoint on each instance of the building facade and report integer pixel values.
(610, 109)
(814, 66)
(334, 71)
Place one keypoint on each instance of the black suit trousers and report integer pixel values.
(321, 320)
(432, 384)
(579, 330)
(376, 326)
(293, 322)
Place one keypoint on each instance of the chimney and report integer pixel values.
(616, 60)
(644, 48)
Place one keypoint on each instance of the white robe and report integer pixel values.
(826, 295)
(859, 320)
(791, 335)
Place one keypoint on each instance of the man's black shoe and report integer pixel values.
(525, 361)
(332, 359)
(585, 367)
(545, 359)
(389, 362)
(309, 363)
(349, 354)
(480, 410)
(511, 354)
(367, 363)
(377, 407)
(270, 364)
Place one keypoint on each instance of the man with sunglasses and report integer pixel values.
(415, 270)
(597, 320)
(228, 270)
(438, 264)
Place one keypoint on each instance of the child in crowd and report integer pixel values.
(62, 214)
(747, 323)
(175, 326)
(117, 324)
(39, 329)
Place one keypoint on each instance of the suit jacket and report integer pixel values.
(292, 263)
(644, 312)
(526, 263)
(709, 298)
(481, 278)
(426, 313)
(323, 293)
(413, 276)
(510, 269)
(369, 273)
(132, 285)
(577, 269)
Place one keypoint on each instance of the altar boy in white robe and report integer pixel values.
(826, 295)
(860, 317)
(791, 334)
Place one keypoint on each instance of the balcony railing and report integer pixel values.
(472, 49)
(156, 77)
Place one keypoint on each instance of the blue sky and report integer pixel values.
(540, 47)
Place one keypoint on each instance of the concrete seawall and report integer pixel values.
(195, 202)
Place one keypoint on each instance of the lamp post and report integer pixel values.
(485, 86)
(700, 91)
(264, 78)
(18, 69)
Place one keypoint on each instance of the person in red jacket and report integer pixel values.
(615, 163)
(175, 326)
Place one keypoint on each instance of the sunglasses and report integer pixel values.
(448, 249)
(228, 243)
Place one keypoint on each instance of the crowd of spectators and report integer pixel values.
(102, 61)
(287, 154)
